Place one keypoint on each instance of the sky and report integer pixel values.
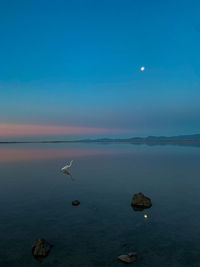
(72, 68)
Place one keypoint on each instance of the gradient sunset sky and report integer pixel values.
(72, 68)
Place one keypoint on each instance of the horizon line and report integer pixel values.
(100, 141)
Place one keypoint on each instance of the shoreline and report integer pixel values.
(96, 141)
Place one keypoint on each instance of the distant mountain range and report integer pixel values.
(177, 138)
(150, 140)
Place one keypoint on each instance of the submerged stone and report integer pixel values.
(140, 202)
(129, 258)
(41, 248)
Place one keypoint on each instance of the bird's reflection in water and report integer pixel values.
(69, 174)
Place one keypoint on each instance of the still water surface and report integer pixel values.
(36, 201)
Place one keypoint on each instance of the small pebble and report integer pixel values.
(75, 203)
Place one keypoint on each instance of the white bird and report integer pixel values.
(65, 168)
(142, 68)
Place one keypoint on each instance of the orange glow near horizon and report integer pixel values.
(17, 130)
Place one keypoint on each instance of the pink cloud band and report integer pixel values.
(12, 130)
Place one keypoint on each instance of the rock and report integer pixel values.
(75, 203)
(41, 248)
(141, 202)
(131, 257)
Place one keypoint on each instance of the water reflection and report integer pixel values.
(135, 208)
(40, 259)
(30, 153)
(68, 174)
(41, 205)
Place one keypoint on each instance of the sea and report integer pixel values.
(36, 202)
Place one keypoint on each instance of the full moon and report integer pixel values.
(142, 68)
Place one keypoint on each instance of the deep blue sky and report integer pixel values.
(78, 63)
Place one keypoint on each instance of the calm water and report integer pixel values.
(35, 201)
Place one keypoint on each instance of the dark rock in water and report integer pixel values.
(41, 248)
(141, 202)
(131, 257)
(124, 244)
(75, 203)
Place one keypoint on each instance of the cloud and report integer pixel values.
(12, 130)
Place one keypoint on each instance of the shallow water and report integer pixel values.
(36, 201)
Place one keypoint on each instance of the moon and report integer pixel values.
(142, 68)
